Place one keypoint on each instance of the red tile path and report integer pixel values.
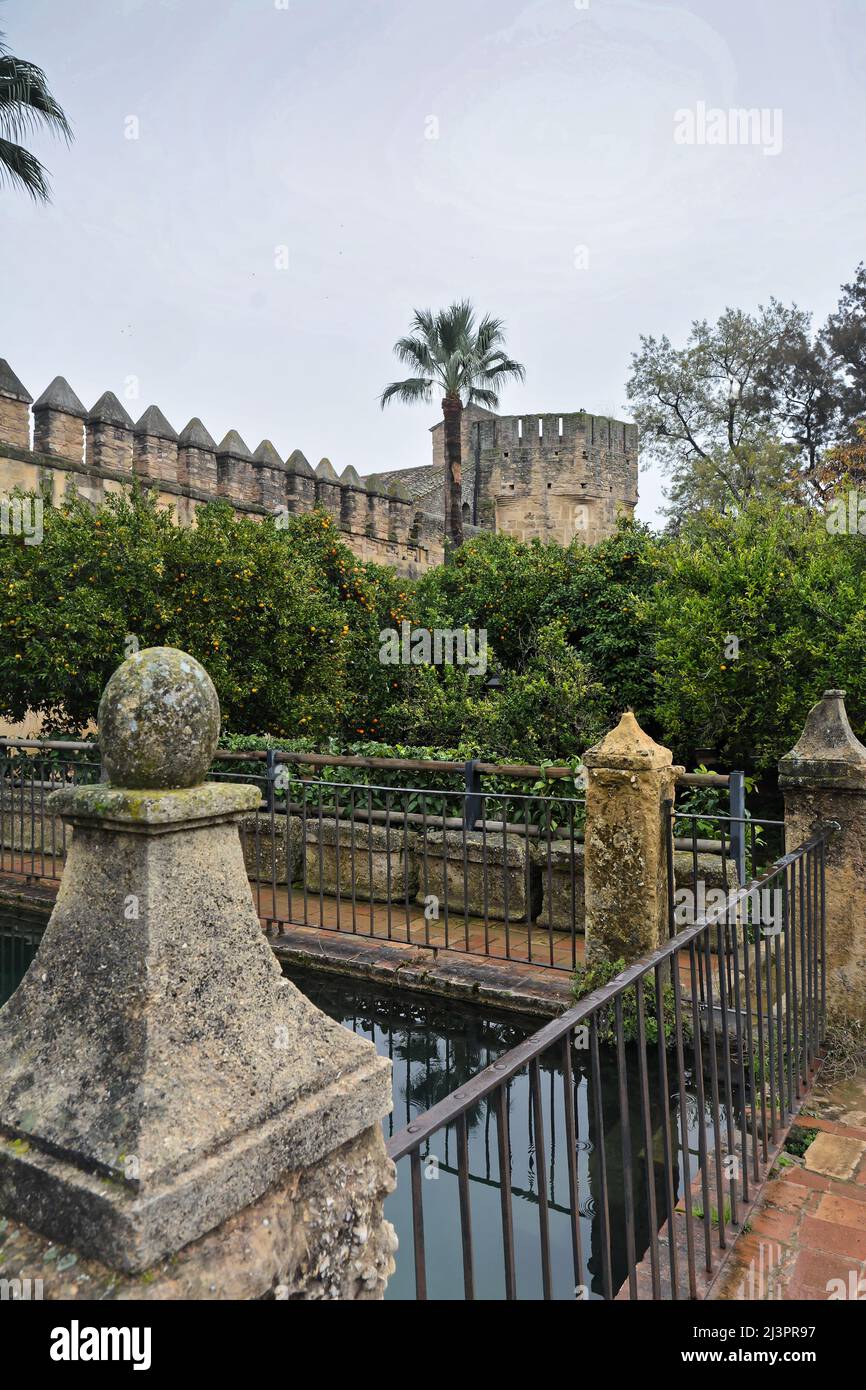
(807, 1235)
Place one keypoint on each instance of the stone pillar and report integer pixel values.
(401, 511)
(328, 491)
(824, 783)
(270, 473)
(169, 1102)
(378, 506)
(300, 483)
(353, 502)
(629, 778)
(196, 458)
(15, 401)
(236, 479)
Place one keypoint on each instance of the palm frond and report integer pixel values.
(415, 353)
(22, 169)
(489, 335)
(424, 322)
(500, 367)
(478, 395)
(26, 102)
(451, 350)
(414, 388)
(455, 326)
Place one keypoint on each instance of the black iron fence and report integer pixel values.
(494, 874)
(492, 867)
(673, 1087)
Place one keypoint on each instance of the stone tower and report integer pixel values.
(554, 477)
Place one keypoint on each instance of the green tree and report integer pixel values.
(755, 615)
(595, 594)
(845, 337)
(549, 708)
(285, 621)
(26, 105)
(744, 409)
(497, 583)
(602, 604)
(467, 361)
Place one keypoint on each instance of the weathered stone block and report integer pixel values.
(14, 422)
(563, 904)
(273, 847)
(824, 783)
(58, 421)
(236, 475)
(108, 432)
(480, 874)
(154, 447)
(630, 780)
(380, 860)
(710, 871)
(158, 1074)
(36, 834)
(196, 459)
(294, 1242)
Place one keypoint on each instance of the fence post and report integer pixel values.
(737, 809)
(271, 771)
(472, 803)
(824, 782)
(629, 780)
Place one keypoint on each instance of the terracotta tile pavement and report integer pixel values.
(807, 1235)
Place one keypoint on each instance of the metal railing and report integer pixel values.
(33, 843)
(488, 869)
(496, 874)
(674, 1086)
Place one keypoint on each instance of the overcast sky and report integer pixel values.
(298, 131)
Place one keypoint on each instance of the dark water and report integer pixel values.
(434, 1047)
(18, 944)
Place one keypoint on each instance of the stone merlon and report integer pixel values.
(11, 386)
(153, 423)
(109, 411)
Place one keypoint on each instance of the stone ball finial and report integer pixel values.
(159, 721)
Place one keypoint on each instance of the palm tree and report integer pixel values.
(26, 104)
(468, 363)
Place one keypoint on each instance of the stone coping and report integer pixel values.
(130, 1231)
(628, 749)
(827, 754)
(142, 810)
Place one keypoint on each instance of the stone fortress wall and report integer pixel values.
(554, 477)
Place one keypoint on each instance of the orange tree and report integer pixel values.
(756, 614)
(285, 620)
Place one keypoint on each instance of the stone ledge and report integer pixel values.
(502, 984)
(141, 810)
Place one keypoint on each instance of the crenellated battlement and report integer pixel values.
(545, 475)
(96, 452)
(552, 476)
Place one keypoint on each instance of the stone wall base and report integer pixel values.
(483, 875)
